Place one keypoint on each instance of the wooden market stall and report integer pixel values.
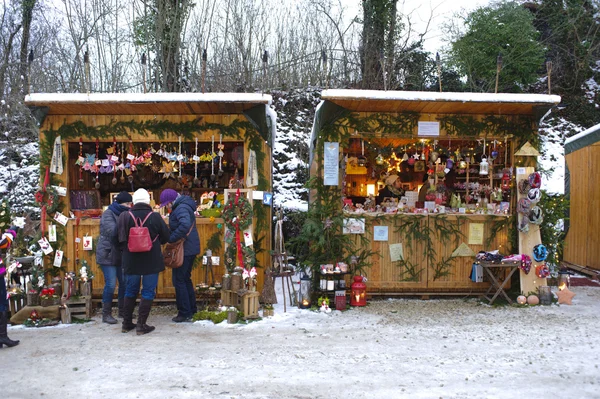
(582, 243)
(112, 142)
(461, 144)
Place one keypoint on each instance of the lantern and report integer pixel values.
(564, 279)
(521, 299)
(505, 181)
(545, 295)
(304, 293)
(484, 166)
(359, 292)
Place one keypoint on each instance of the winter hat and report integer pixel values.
(535, 180)
(536, 215)
(524, 206)
(534, 195)
(524, 186)
(123, 197)
(524, 224)
(542, 271)
(141, 196)
(167, 196)
(540, 252)
(388, 180)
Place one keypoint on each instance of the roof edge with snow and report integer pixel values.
(78, 98)
(583, 139)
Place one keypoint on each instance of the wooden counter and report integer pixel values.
(91, 227)
(428, 243)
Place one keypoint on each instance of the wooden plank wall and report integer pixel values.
(91, 226)
(387, 277)
(582, 244)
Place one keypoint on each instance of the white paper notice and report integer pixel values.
(58, 257)
(88, 243)
(380, 233)
(331, 163)
(45, 246)
(248, 237)
(396, 252)
(52, 233)
(429, 128)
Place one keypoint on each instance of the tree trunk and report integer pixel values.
(28, 6)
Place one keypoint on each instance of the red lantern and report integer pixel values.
(359, 292)
(505, 181)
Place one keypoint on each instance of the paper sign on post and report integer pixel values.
(248, 237)
(52, 233)
(380, 233)
(60, 218)
(331, 162)
(476, 234)
(88, 243)
(60, 190)
(396, 252)
(45, 246)
(58, 257)
(214, 260)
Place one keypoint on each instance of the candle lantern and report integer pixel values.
(505, 181)
(304, 293)
(564, 279)
(359, 292)
(545, 295)
(484, 166)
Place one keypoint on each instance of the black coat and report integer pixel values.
(385, 192)
(143, 263)
(182, 217)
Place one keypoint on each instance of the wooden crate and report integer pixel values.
(79, 307)
(250, 305)
(230, 298)
(16, 303)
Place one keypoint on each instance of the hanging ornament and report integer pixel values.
(213, 177)
(80, 162)
(97, 185)
(362, 160)
(379, 159)
(196, 159)
(494, 151)
(404, 156)
(114, 163)
(122, 164)
(221, 147)
(484, 167)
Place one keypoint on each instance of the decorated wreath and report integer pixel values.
(238, 215)
(48, 196)
(231, 255)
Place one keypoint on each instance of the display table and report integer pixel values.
(498, 274)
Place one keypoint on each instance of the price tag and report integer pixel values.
(88, 243)
(58, 257)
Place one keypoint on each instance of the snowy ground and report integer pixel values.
(403, 348)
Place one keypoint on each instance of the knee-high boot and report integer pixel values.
(4, 340)
(128, 305)
(107, 313)
(143, 313)
(121, 301)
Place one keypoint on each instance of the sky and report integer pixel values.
(420, 11)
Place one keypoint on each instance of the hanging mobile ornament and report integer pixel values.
(213, 177)
(505, 150)
(484, 167)
(97, 185)
(494, 154)
(114, 161)
(221, 147)
(196, 159)
(130, 157)
(122, 166)
(81, 162)
(362, 160)
(405, 155)
(179, 158)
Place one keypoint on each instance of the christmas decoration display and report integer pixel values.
(237, 215)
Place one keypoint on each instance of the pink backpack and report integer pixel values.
(139, 236)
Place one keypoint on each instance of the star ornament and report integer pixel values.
(565, 296)
(168, 168)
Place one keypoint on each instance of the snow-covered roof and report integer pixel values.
(441, 102)
(583, 139)
(146, 103)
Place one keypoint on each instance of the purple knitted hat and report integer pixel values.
(167, 196)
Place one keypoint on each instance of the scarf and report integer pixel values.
(397, 192)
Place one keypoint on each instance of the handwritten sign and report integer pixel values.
(476, 234)
(396, 252)
(380, 233)
(331, 163)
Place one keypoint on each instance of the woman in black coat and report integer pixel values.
(141, 267)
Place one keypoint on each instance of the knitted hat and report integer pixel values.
(534, 195)
(536, 215)
(535, 180)
(540, 252)
(167, 196)
(524, 224)
(524, 206)
(123, 197)
(388, 180)
(524, 186)
(141, 196)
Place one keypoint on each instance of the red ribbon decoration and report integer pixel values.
(238, 241)
(44, 186)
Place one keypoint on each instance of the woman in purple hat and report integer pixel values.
(182, 223)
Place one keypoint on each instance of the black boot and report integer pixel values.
(128, 305)
(107, 313)
(121, 313)
(4, 340)
(143, 313)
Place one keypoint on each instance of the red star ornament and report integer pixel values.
(565, 296)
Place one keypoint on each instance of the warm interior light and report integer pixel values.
(371, 189)
(562, 286)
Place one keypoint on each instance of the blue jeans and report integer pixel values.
(149, 283)
(185, 295)
(112, 274)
